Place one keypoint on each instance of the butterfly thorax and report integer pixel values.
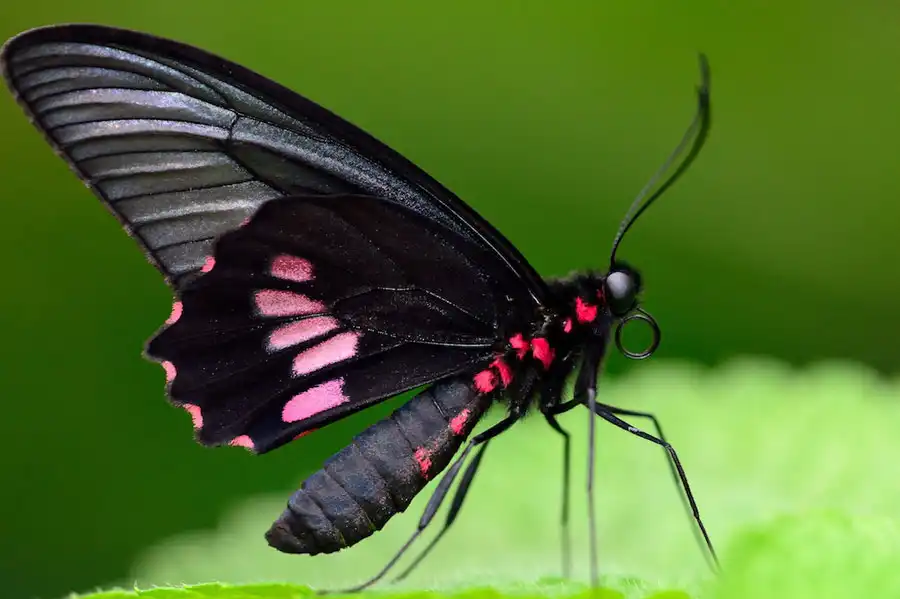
(532, 361)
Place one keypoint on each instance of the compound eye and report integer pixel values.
(621, 292)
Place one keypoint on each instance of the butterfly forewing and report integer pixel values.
(183, 146)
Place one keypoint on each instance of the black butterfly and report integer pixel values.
(317, 272)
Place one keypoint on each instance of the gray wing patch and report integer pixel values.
(179, 156)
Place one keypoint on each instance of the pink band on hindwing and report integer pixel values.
(297, 332)
(292, 268)
(312, 401)
(331, 351)
(274, 302)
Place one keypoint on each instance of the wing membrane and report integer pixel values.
(320, 306)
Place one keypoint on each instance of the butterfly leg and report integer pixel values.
(455, 506)
(608, 413)
(434, 503)
(672, 469)
(591, 390)
(550, 416)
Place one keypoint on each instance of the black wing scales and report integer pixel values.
(183, 146)
(320, 306)
(376, 280)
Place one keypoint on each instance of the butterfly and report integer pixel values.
(316, 272)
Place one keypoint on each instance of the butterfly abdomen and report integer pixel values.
(362, 486)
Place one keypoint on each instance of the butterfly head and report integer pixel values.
(621, 289)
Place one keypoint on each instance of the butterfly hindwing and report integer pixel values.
(320, 306)
(183, 146)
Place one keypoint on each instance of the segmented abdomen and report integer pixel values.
(359, 488)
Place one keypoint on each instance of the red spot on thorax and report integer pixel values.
(485, 381)
(520, 344)
(541, 349)
(506, 373)
(458, 422)
(585, 312)
(567, 325)
(423, 457)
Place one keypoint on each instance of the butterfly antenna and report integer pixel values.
(692, 142)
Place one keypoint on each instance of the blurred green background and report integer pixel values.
(547, 118)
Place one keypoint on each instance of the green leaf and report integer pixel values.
(766, 448)
(287, 591)
(211, 591)
(826, 555)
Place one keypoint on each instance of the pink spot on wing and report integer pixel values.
(506, 373)
(567, 326)
(177, 308)
(244, 222)
(423, 456)
(170, 371)
(208, 265)
(242, 441)
(300, 331)
(196, 415)
(520, 344)
(541, 349)
(336, 349)
(292, 268)
(272, 302)
(312, 401)
(458, 422)
(584, 312)
(485, 381)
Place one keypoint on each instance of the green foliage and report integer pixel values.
(210, 591)
(286, 591)
(827, 555)
(794, 471)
